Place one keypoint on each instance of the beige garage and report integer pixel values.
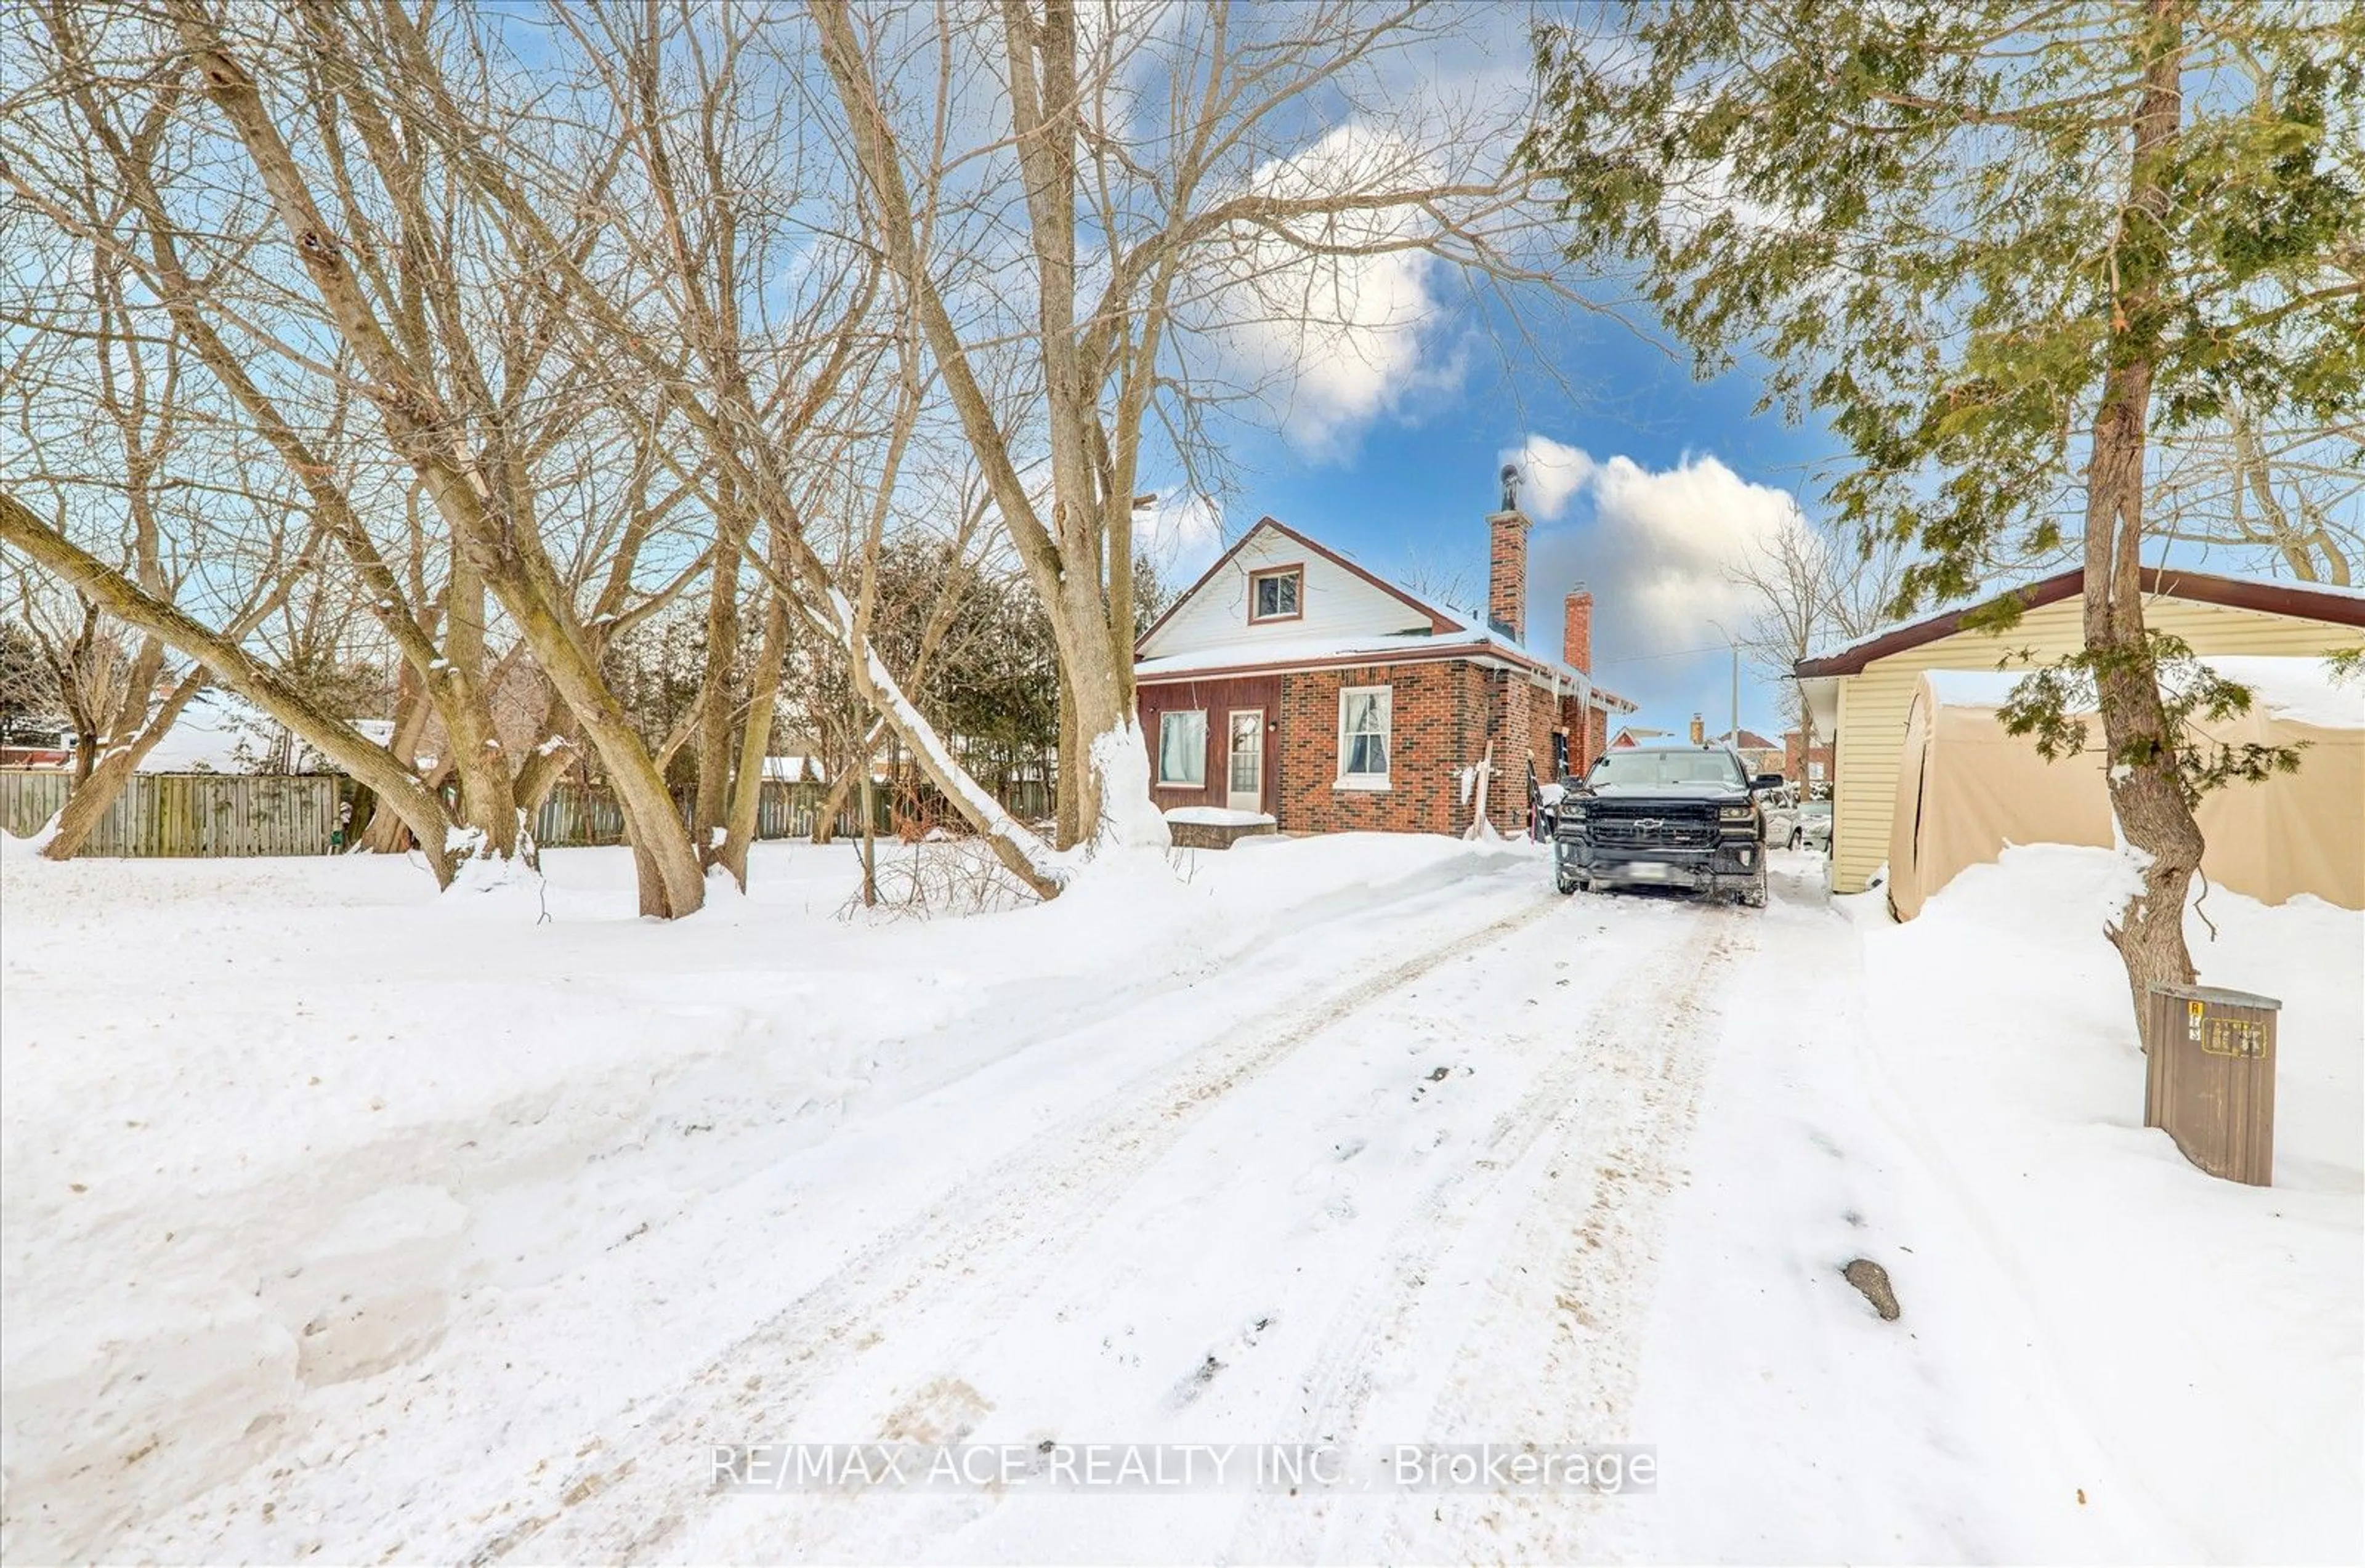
(1863, 695)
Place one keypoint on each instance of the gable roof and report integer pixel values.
(1750, 740)
(1447, 635)
(2312, 602)
(1438, 620)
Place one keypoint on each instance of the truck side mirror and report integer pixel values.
(1767, 781)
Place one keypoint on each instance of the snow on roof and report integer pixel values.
(1308, 650)
(1375, 647)
(2273, 596)
(795, 770)
(2304, 691)
(217, 732)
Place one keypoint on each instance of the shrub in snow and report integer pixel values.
(940, 875)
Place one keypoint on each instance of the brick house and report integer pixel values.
(1290, 681)
(1759, 754)
(1803, 764)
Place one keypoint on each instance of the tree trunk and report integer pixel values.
(1066, 820)
(95, 793)
(755, 741)
(385, 833)
(488, 796)
(2147, 793)
(712, 805)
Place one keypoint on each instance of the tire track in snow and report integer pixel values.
(630, 1497)
(1594, 1232)
(1589, 1145)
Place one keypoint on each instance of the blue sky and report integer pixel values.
(1405, 489)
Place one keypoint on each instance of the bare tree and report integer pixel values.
(1809, 589)
(1126, 193)
(2295, 496)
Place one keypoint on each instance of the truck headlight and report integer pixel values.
(1735, 813)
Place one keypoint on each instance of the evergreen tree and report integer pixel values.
(2012, 252)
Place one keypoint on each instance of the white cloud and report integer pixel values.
(1550, 473)
(1658, 548)
(1332, 338)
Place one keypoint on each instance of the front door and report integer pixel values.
(1246, 775)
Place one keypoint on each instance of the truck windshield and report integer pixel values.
(1664, 768)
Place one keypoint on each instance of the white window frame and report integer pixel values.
(1167, 753)
(1387, 731)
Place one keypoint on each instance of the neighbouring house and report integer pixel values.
(1810, 766)
(1863, 696)
(1628, 737)
(1289, 680)
(1760, 754)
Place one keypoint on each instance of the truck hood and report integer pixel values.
(1691, 791)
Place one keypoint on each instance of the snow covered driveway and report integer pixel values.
(349, 1222)
(1316, 1224)
(1345, 1142)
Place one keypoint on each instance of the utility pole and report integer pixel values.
(1733, 643)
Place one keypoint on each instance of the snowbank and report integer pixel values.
(2191, 1320)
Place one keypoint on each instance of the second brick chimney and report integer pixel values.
(1506, 572)
(1576, 630)
(1699, 731)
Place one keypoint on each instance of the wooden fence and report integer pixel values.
(187, 814)
(574, 814)
(239, 813)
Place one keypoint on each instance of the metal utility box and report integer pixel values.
(2209, 1077)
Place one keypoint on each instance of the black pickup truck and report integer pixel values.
(1664, 817)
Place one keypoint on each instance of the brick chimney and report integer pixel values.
(1699, 731)
(1506, 572)
(1576, 630)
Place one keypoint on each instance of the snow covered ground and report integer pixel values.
(346, 1220)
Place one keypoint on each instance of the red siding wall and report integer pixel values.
(1219, 699)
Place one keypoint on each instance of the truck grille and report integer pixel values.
(1652, 832)
(1629, 827)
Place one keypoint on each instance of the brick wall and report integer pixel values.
(1443, 715)
(1438, 724)
(1524, 718)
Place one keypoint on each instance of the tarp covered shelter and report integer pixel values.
(1966, 789)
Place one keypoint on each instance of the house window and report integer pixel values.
(1182, 749)
(1815, 772)
(1363, 713)
(1275, 595)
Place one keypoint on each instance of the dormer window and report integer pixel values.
(1277, 593)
